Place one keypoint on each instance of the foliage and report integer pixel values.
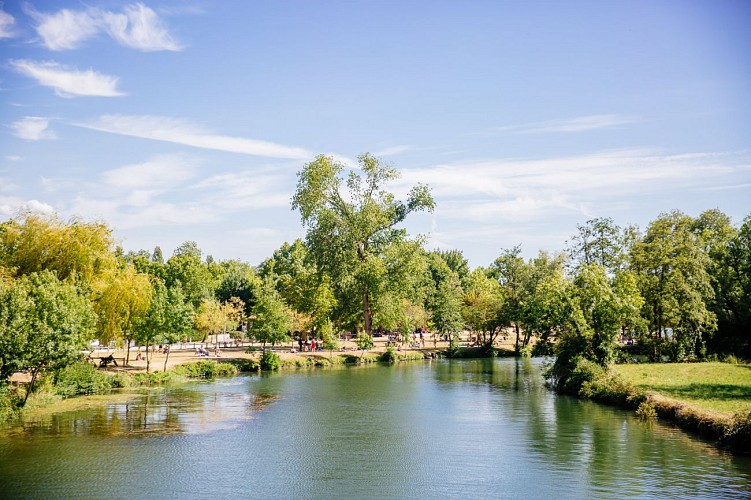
(350, 232)
(270, 361)
(389, 356)
(44, 323)
(481, 306)
(646, 411)
(80, 378)
(205, 369)
(122, 303)
(272, 317)
(364, 342)
(76, 250)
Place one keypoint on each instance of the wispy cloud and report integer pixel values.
(569, 125)
(33, 128)
(161, 172)
(514, 188)
(6, 25)
(393, 150)
(68, 82)
(137, 27)
(140, 28)
(161, 128)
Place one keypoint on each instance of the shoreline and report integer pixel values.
(726, 432)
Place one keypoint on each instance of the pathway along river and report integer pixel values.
(444, 429)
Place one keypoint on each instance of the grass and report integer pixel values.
(709, 387)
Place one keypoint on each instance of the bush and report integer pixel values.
(270, 361)
(205, 369)
(646, 411)
(737, 435)
(390, 356)
(80, 378)
(542, 348)
(10, 402)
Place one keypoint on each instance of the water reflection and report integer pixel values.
(444, 429)
(175, 410)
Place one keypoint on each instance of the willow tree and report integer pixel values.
(352, 221)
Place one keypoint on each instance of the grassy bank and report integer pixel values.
(720, 388)
(61, 391)
(710, 399)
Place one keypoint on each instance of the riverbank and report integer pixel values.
(714, 398)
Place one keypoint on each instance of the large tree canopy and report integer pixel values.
(352, 223)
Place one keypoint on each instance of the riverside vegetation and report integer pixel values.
(679, 290)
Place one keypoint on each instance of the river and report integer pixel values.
(442, 429)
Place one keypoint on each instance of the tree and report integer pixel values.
(121, 304)
(78, 250)
(672, 271)
(45, 323)
(599, 241)
(444, 297)
(186, 269)
(214, 317)
(483, 301)
(352, 224)
(271, 322)
(513, 274)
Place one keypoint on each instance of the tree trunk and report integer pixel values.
(127, 351)
(31, 385)
(516, 327)
(165, 360)
(148, 359)
(367, 313)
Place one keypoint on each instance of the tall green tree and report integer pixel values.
(45, 323)
(671, 267)
(272, 317)
(121, 304)
(352, 223)
(482, 303)
(82, 251)
(513, 274)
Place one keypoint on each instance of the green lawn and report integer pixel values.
(713, 387)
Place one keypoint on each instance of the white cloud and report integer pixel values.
(137, 27)
(577, 124)
(68, 82)
(33, 128)
(393, 150)
(6, 25)
(161, 128)
(514, 188)
(161, 172)
(14, 158)
(65, 29)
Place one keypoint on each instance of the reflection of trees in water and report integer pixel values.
(606, 446)
(157, 412)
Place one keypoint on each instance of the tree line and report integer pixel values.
(679, 288)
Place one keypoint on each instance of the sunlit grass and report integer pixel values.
(712, 387)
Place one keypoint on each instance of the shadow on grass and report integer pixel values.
(725, 392)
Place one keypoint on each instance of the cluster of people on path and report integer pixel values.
(312, 345)
(200, 351)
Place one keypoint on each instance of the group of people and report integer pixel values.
(309, 346)
(200, 351)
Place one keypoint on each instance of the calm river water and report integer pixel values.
(443, 429)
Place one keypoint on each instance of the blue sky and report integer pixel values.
(188, 120)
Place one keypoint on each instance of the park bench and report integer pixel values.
(104, 362)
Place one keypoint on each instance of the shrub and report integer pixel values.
(10, 402)
(80, 378)
(120, 380)
(737, 435)
(270, 361)
(390, 356)
(646, 411)
(205, 369)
